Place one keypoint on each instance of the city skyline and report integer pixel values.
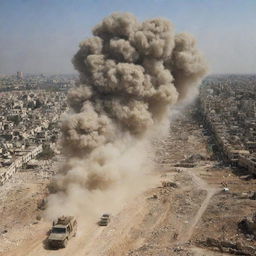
(42, 36)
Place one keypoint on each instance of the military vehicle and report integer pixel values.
(62, 230)
(104, 220)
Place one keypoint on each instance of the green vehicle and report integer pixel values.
(104, 220)
(62, 230)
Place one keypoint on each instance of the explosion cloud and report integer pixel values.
(130, 75)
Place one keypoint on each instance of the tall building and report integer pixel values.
(20, 75)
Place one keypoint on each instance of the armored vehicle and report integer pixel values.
(62, 230)
(104, 220)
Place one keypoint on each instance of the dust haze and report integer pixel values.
(131, 74)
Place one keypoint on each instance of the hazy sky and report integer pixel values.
(43, 35)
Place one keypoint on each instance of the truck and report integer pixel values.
(63, 229)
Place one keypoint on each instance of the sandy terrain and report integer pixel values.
(161, 221)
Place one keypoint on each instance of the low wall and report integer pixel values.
(9, 171)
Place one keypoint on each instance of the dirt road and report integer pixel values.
(211, 191)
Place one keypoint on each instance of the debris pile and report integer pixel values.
(248, 226)
(230, 247)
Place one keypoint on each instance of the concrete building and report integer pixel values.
(20, 75)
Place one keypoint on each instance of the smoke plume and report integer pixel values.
(131, 73)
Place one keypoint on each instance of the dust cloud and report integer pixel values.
(131, 73)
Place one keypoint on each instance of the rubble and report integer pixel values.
(194, 158)
(253, 197)
(169, 184)
(228, 108)
(229, 247)
(248, 226)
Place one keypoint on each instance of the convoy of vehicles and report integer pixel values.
(65, 227)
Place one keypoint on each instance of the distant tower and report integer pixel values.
(20, 75)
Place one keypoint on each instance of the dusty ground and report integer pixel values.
(161, 221)
(19, 200)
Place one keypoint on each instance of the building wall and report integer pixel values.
(7, 174)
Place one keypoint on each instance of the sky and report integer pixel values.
(41, 36)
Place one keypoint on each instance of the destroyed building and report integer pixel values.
(229, 112)
(29, 122)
